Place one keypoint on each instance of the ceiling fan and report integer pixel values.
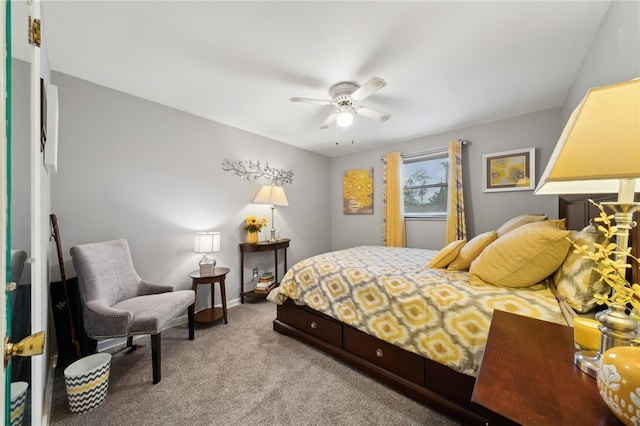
(345, 97)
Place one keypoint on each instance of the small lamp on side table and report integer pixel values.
(274, 195)
(207, 243)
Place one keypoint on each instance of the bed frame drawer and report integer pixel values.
(395, 359)
(312, 323)
(443, 379)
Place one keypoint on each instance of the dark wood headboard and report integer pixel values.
(579, 211)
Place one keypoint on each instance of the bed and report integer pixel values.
(422, 329)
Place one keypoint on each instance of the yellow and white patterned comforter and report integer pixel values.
(390, 293)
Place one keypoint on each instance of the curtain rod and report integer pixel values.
(429, 151)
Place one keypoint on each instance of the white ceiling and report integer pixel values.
(447, 64)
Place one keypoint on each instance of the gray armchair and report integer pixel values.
(116, 302)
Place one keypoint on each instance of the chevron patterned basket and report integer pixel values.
(87, 381)
(18, 402)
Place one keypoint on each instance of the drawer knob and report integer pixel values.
(379, 353)
(313, 324)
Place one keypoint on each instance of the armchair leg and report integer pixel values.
(191, 316)
(155, 357)
(130, 346)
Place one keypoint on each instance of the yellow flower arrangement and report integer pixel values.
(252, 224)
(611, 270)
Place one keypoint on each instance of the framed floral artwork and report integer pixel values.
(509, 170)
(357, 192)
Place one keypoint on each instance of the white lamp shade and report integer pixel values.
(599, 146)
(207, 242)
(271, 194)
(344, 119)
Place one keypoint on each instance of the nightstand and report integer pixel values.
(261, 247)
(213, 313)
(527, 376)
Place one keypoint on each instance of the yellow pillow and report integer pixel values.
(524, 256)
(471, 250)
(518, 221)
(558, 223)
(447, 254)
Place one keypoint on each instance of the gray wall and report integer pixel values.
(130, 168)
(485, 211)
(614, 55)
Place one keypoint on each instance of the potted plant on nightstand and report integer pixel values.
(618, 375)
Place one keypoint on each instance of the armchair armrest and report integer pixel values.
(102, 321)
(146, 288)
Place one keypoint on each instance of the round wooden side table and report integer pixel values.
(212, 314)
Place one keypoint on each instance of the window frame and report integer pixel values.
(436, 154)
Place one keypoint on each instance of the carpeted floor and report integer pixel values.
(241, 373)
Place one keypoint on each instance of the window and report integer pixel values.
(425, 185)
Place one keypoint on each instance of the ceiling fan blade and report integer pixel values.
(369, 88)
(372, 113)
(330, 119)
(311, 101)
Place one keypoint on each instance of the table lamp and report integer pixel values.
(207, 243)
(599, 152)
(274, 195)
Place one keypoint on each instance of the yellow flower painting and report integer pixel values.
(357, 191)
(509, 171)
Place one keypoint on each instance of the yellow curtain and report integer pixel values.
(393, 215)
(456, 227)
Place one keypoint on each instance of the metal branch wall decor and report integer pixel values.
(252, 171)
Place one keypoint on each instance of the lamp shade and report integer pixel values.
(599, 146)
(271, 194)
(344, 119)
(207, 242)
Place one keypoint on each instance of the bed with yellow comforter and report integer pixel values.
(391, 294)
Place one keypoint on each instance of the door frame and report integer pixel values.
(38, 261)
(4, 5)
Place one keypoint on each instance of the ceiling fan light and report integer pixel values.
(344, 119)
